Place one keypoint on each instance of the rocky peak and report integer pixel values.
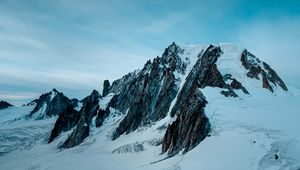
(4, 104)
(54, 90)
(148, 96)
(50, 104)
(261, 70)
(89, 110)
(106, 86)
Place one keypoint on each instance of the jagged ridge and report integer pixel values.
(169, 85)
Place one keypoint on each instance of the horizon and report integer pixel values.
(74, 47)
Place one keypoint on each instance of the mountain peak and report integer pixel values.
(54, 90)
(4, 104)
(50, 104)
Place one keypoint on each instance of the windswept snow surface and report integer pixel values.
(259, 131)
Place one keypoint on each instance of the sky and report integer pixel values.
(75, 45)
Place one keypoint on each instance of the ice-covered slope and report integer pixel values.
(254, 127)
(19, 133)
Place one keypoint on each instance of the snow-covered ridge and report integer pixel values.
(189, 87)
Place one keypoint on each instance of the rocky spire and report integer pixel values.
(51, 104)
(106, 85)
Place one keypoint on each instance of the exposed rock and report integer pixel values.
(237, 85)
(229, 93)
(52, 104)
(4, 104)
(234, 85)
(74, 102)
(87, 112)
(212, 77)
(257, 69)
(57, 104)
(67, 119)
(101, 115)
(149, 94)
(106, 85)
(191, 125)
(43, 99)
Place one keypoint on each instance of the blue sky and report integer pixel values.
(74, 45)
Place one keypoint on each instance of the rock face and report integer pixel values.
(258, 69)
(51, 104)
(148, 95)
(106, 85)
(67, 119)
(4, 104)
(101, 115)
(88, 111)
(191, 125)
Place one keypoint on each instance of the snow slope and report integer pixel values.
(246, 134)
(18, 133)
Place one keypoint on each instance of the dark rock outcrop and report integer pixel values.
(106, 85)
(234, 85)
(57, 104)
(257, 69)
(101, 115)
(191, 125)
(149, 94)
(43, 99)
(74, 102)
(4, 104)
(54, 101)
(67, 119)
(87, 112)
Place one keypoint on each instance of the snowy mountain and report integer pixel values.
(195, 107)
(50, 104)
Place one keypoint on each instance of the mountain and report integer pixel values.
(195, 106)
(50, 104)
(4, 104)
(169, 86)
